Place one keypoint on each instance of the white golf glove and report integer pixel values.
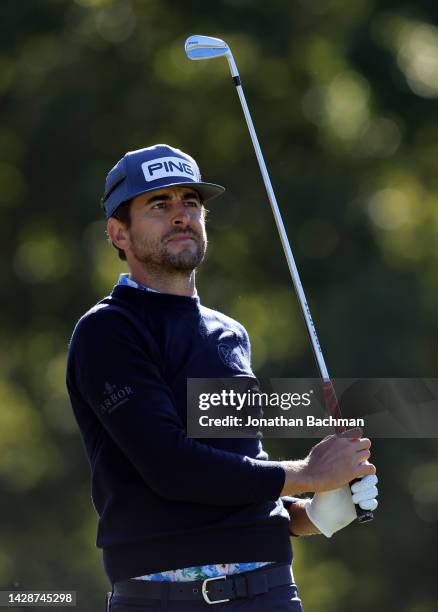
(330, 511)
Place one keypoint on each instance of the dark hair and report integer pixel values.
(122, 214)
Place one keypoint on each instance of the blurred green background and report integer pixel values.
(344, 99)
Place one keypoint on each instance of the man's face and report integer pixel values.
(168, 229)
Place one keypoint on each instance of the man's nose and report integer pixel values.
(182, 214)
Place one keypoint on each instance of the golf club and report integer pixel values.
(199, 47)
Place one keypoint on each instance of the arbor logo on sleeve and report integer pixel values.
(114, 397)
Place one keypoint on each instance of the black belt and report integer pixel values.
(214, 590)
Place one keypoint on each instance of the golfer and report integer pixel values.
(186, 524)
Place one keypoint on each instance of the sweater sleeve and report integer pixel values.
(287, 503)
(113, 374)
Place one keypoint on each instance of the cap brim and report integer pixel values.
(207, 191)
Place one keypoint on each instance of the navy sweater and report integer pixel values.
(166, 501)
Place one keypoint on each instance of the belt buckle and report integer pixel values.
(205, 593)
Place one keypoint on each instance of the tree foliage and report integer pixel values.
(343, 96)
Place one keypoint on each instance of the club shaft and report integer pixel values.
(330, 398)
(329, 393)
(285, 242)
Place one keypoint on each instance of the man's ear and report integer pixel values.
(117, 233)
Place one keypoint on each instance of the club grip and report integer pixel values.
(363, 516)
(332, 405)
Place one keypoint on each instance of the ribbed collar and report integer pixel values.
(141, 299)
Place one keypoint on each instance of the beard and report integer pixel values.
(155, 252)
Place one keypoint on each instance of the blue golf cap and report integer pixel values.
(153, 168)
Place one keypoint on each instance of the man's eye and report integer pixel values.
(159, 205)
(194, 203)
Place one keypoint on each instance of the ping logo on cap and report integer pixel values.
(165, 167)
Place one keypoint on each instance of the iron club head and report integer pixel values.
(199, 47)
